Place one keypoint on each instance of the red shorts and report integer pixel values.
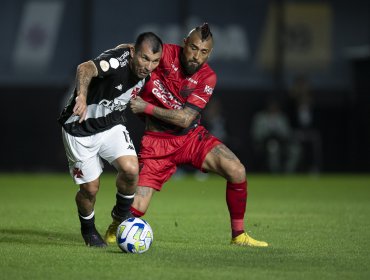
(160, 153)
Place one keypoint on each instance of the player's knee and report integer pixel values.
(236, 172)
(130, 168)
(89, 190)
(128, 172)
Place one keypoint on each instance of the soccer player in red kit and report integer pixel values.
(172, 102)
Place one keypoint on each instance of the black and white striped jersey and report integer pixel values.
(107, 97)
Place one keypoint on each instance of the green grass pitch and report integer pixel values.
(317, 227)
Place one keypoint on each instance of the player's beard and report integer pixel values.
(189, 66)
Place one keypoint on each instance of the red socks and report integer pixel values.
(136, 212)
(236, 199)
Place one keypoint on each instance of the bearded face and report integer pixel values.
(195, 52)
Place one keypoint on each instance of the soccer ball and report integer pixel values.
(134, 235)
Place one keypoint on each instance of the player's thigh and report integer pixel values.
(84, 162)
(116, 143)
(223, 161)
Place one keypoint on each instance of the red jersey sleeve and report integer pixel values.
(204, 89)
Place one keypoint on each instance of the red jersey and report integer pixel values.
(169, 87)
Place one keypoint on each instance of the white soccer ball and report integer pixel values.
(134, 235)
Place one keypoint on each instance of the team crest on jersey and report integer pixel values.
(186, 91)
(166, 72)
(135, 91)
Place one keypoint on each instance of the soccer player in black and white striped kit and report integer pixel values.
(93, 126)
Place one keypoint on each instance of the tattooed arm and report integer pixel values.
(85, 72)
(182, 118)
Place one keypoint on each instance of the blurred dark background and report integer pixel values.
(311, 59)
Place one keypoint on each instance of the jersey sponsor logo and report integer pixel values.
(123, 56)
(113, 105)
(208, 90)
(165, 96)
(101, 108)
(123, 59)
(114, 63)
(104, 65)
(123, 63)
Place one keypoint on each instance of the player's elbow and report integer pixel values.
(186, 121)
(83, 66)
(186, 117)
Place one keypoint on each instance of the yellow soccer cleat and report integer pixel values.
(245, 240)
(110, 235)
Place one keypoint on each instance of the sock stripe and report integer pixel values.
(87, 217)
(126, 196)
(136, 212)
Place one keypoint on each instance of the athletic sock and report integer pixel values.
(236, 199)
(87, 223)
(237, 227)
(121, 210)
(89, 233)
(136, 212)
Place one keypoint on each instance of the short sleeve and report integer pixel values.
(199, 98)
(110, 61)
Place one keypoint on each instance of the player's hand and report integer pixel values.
(137, 105)
(80, 108)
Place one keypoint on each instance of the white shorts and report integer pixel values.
(85, 153)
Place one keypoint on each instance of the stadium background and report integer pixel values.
(260, 46)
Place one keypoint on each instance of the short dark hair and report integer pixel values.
(154, 41)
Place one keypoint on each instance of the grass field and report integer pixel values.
(318, 228)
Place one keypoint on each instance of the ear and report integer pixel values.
(209, 54)
(132, 51)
